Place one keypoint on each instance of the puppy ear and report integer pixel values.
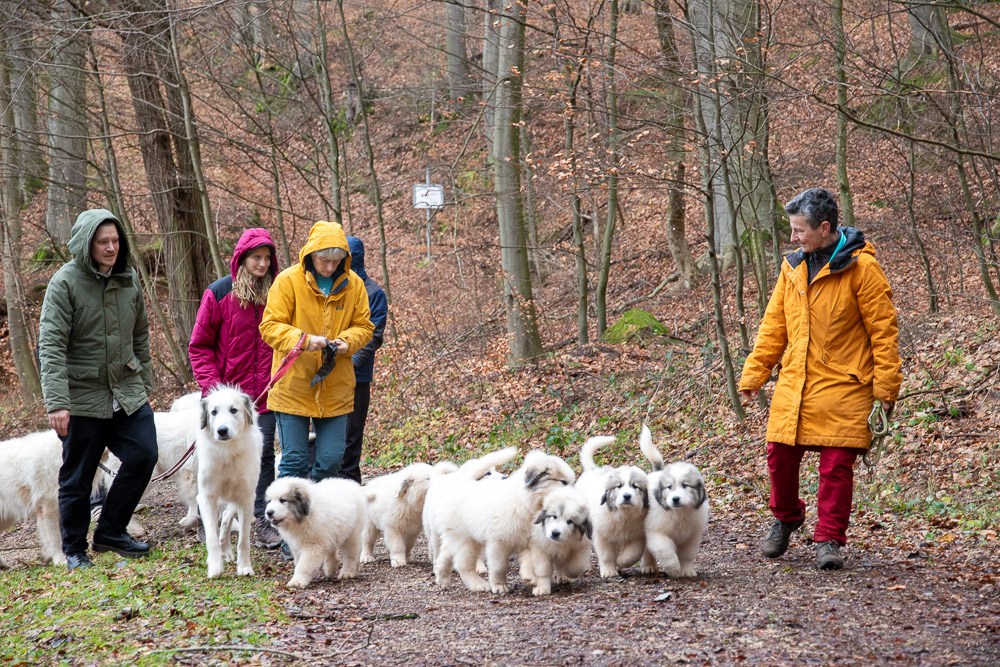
(541, 517)
(609, 498)
(248, 409)
(204, 414)
(588, 529)
(644, 492)
(301, 504)
(700, 494)
(404, 487)
(660, 497)
(533, 476)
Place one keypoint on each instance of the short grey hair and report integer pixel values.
(336, 254)
(816, 205)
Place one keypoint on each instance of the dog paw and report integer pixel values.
(347, 574)
(608, 573)
(481, 567)
(244, 571)
(688, 571)
(541, 590)
(499, 589)
(442, 582)
(214, 570)
(397, 562)
(560, 579)
(188, 522)
(674, 572)
(367, 558)
(297, 583)
(649, 569)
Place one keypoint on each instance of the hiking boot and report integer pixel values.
(828, 556)
(78, 561)
(123, 545)
(265, 535)
(776, 542)
(286, 551)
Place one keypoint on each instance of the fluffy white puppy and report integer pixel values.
(492, 514)
(559, 546)
(29, 488)
(619, 500)
(678, 517)
(322, 524)
(229, 445)
(395, 507)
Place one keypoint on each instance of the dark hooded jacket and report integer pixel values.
(93, 336)
(364, 359)
(226, 346)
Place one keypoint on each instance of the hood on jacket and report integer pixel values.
(83, 233)
(326, 234)
(357, 249)
(251, 239)
(854, 239)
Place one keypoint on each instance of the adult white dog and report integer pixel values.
(175, 431)
(619, 500)
(29, 488)
(322, 524)
(494, 514)
(229, 444)
(678, 517)
(395, 508)
(559, 546)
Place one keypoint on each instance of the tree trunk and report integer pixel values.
(604, 270)
(840, 74)
(491, 54)
(67, 195)
(921, 250)
(454, 48)
(676, 110)
(330, 113)
(31, 172)
(928, 30)
(522, 322)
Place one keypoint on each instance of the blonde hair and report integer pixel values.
(249, 290)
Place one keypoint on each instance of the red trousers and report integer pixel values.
(836, 487)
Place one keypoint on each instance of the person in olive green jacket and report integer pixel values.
(93, 349)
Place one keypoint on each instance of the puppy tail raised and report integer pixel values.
(443, 468)
(591, 446)
(476, 468)
(649, 450)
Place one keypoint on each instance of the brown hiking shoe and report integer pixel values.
(776, 542)
(265, 534)
(828, 556)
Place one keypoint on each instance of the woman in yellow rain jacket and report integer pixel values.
(320, 305)
(831, 329)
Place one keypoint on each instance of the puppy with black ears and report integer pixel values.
(559, 546)
(322, 523)
(618, 501)
(678, 517)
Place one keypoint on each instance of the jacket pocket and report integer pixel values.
(82, 372)
(838, 364)
(134, 364)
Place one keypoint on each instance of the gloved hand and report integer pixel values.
(329, 361)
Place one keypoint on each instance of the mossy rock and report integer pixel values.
(44, 255)
(635, 324)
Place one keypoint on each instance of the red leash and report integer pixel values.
(286, 363)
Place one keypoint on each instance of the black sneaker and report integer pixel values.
(776, 542)
(123, 545)
(265, 534)
(828, 556)
(78, 561)
(286, 552)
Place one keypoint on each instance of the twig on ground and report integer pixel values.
(226, 647)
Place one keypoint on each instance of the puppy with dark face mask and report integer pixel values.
(618, 501)
(322, 522)
(559, 546)
(677, 516)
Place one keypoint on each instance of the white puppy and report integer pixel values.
(494, 514)
(229, 445)
(29, 488)
(678, 518)
(618, 500)
(175, 431)
(559, 547)
(322, 524)
(395, 506)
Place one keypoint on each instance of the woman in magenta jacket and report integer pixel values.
(226, 347)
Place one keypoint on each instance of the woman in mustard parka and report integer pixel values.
(321, 306)
(831, 330)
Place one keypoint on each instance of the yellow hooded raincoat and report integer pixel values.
(295, 305)
(835, 343)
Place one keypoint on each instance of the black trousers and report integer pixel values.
(267, 422)
(132, 438)
(351, 469)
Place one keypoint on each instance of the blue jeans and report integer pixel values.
(331, 439)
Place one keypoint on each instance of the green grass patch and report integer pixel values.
(120, 611)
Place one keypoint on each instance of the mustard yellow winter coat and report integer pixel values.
(837, 342)
(295, 305)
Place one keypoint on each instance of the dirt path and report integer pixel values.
(888, 606)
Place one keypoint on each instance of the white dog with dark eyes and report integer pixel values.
(322, 524)
(678, 517)
(395, 507)
(559, 547)
(229, 445)
(618, 501)
(470, 515)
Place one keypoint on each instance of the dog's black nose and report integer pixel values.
(269, 513)
(555, 534)
(223, 431)
(626, 496)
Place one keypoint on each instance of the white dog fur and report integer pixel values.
(619, 500)
(559, 546)
(229, 445)
(493, 514)
(322, 523)
(678, 517)
(29, 488)
(395, 507)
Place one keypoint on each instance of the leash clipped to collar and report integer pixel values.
(286, 363)
(878, 424)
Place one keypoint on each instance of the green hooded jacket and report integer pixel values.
(93, 336)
